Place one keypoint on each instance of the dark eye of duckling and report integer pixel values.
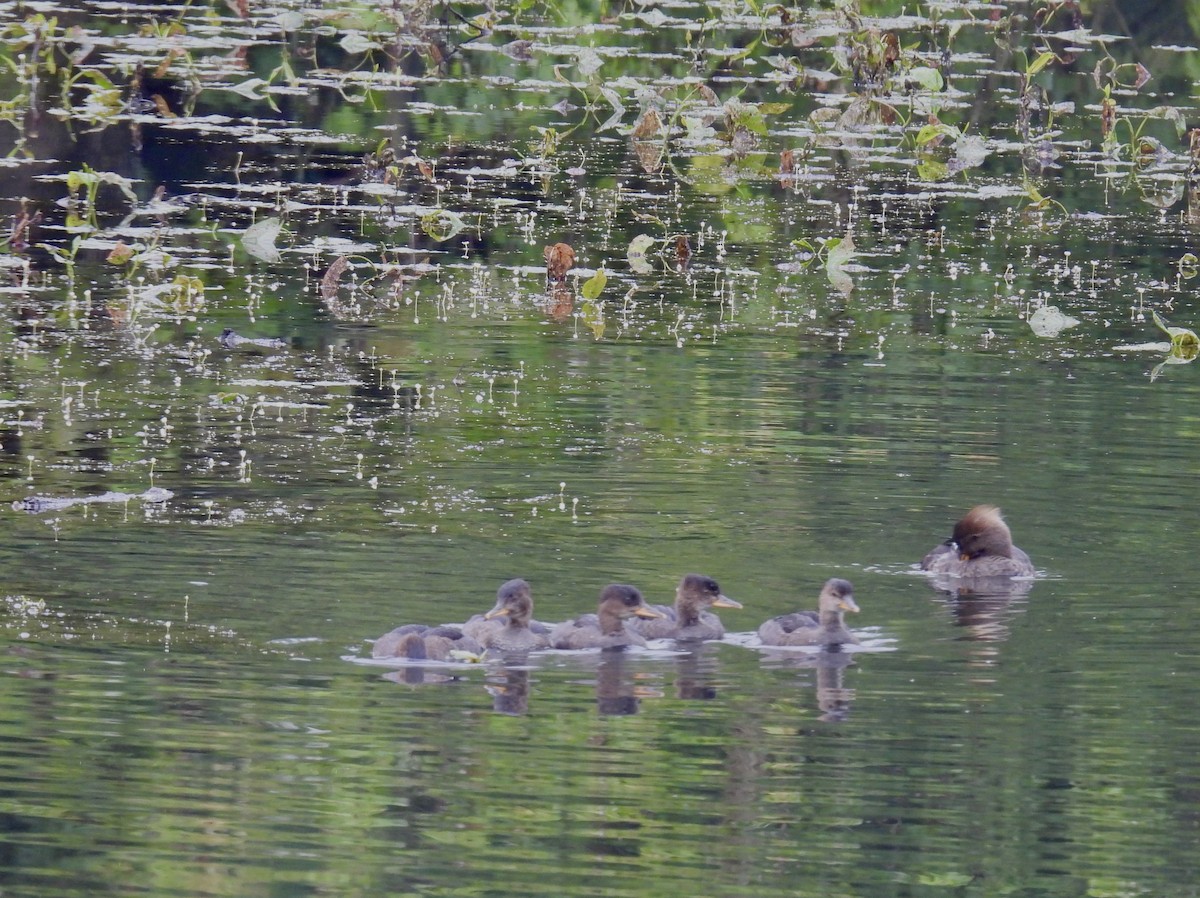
(710, 585)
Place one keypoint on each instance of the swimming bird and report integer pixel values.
(608, 627)
(509, 626)
(689, 618)
(980, 547)
(420, 642)
(826, 626)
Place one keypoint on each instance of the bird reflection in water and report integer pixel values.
(985, 609)
(834, 698)
(509, 689)
(695, 674)
(617, 692)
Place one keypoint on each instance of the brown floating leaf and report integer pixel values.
(787, 162)
(683, 251)
(20, 229)
(333, 274)
(1108, 116)
(161, 106)
(165, 66)
(425, 169)
(559, 260)
(560, 302)
(648, 125)
(120, 254)
(1143, 76)
(891, 49)
(709, 95)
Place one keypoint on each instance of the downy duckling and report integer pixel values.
(826, 626)
(689, 618)
(509, 627)
(608, 627)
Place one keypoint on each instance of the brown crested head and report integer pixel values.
(838, 595)
(514, 600)
(982, 532)
(698, 591)
(624, 600)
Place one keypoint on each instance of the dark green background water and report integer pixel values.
(183, 713)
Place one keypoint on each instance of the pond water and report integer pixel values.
(235, 455)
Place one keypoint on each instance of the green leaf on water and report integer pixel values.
(1040, 63)
(1188, 265)
(1184, 343)
(441, 224)
(594, 286)
(592, 314)
(927, 78)
(637, 253)
(839, 251)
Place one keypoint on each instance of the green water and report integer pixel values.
(189, 709)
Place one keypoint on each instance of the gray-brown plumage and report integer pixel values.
(419, 642)
(981, 547)
(689, 618)
(608, 628)
(509, 627)
(826, 626)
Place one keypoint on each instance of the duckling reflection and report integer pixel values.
(824, 627)
(616, 694)
(608, 628)
(510, 696)
(689, 618)
(517, 632)
(695, 674)
(833, 698)
(981, 550)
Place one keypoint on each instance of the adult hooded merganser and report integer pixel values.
(980, 547)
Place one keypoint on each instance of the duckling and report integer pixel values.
(607, 628)
(690, 618)
(981, 547)
(824, 627)
(518, 633)
(420, 642)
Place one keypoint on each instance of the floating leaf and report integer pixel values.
(927, 78)
(441, 224)
(559, 260)
(1188, 265)
(355, 43)
(838, 253)
(1184, 343)
(329, 283)
(259, 239)
(970, 150)
(592, 314)
(120, 254)
(1048, 321)
(594, 285)
(1040, 63)
(589, 62)
(637, 253)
